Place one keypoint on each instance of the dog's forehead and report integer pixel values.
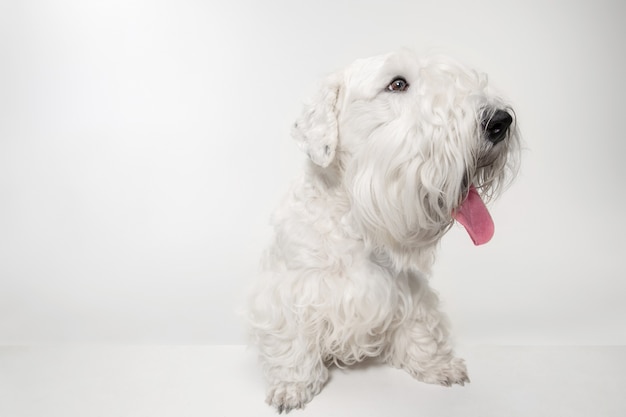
(374, 70)
(431, 76)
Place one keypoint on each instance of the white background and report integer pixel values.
(144, 144)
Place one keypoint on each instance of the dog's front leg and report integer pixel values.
(295, 373)
(420, 344)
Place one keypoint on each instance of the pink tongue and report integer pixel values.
(474, 216)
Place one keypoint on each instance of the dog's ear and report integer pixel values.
(316, 129)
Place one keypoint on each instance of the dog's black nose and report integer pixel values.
(496, 126)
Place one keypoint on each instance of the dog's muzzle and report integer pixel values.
(497, 126)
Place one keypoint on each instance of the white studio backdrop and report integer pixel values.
(143, 146)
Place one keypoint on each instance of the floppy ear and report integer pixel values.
(316, 131)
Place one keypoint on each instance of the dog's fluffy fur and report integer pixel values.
(346, 275)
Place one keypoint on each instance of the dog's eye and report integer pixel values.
(398, 84)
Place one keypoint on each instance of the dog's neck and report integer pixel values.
(330, 177)
(417, 254)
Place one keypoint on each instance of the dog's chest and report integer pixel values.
(360, 310)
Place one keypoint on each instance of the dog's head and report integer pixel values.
(410, 141)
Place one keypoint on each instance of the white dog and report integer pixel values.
(399, 148)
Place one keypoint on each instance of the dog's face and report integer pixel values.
(408, 139)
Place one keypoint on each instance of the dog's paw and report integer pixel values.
(454, 372)
(446, 374)
(286, 396)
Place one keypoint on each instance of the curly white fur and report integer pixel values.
(345, 277)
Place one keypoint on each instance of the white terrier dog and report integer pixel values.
(399, 148)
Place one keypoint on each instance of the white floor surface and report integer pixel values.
(221, 381)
